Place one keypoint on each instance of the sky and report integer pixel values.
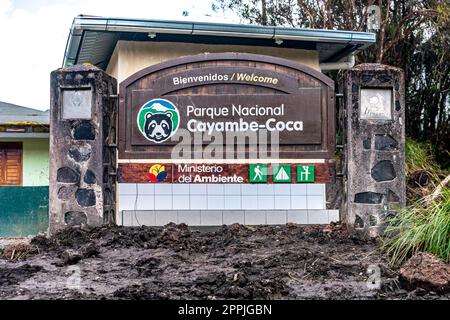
(33, 36)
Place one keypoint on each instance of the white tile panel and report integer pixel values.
(276, 217)
(197, 188)
(163, 202)
(318, 217)
(249, 202)
(198, 202)
(146, 188)
(165, 217)
(180, 189)
(315, 202)
(127, 188)
(232, 189)
(127, 202)
(297, 216)
(333, 216)
(216, 202)
(180, 202)
(298, 202)
(282, 202)
(145, 202)
(282, 189)
(191, 218)
(255, 217)
(215, 189)
(298, 189)
(265, 189)
(249, 189)
(211, 218)
(163, 188)
(266, 202)
(232, 202)
(315, 189)
(234, 216)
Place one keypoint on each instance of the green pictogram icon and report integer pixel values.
(258, 173)
(305, 173)
(282, 173)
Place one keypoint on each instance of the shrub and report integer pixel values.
(422, 226)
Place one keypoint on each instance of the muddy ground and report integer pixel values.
(174, 262)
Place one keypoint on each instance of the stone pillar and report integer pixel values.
(374, 142)
(83, 114)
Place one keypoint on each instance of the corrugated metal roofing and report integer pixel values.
(93, 39)
(11, 113)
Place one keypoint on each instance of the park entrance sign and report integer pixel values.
(222, 138)
(168, 105)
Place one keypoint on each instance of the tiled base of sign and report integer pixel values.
(220, 217)
(146, 197)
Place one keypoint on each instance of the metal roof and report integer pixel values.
(93, 39)
(14, 114)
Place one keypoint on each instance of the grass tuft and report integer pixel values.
(422, 226)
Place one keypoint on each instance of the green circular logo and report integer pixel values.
(158, 120)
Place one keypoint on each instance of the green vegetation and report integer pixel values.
(419, 157)
(424, 225)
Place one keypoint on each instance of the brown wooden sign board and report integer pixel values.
(215, 93)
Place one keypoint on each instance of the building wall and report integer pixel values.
(24, 209)
(130, 56)
(35, 160)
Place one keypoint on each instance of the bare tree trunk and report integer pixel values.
(382, 34)
(264, 12)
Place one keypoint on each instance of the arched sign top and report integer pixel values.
(229, 56)
(220, 93)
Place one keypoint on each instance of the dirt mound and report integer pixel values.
(232, 262)
(11, 276)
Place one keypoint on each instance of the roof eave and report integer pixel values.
(360, 40)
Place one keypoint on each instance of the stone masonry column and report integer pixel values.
(83, 114)
(374, 142)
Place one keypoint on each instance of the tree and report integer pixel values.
(414, 35)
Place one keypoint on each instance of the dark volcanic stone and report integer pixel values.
(83, 130)
(67, 175)
(384, 78)
(73, 218)
(392, 197)
(80, 153)
(85, 197)
(367, 143)
(359, 223)
(383, 171)
(373, 221)
(366, 78)
(385, 142)
(66, 192)
(89, 177)
(368, 197)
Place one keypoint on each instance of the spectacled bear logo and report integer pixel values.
(158, 120)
